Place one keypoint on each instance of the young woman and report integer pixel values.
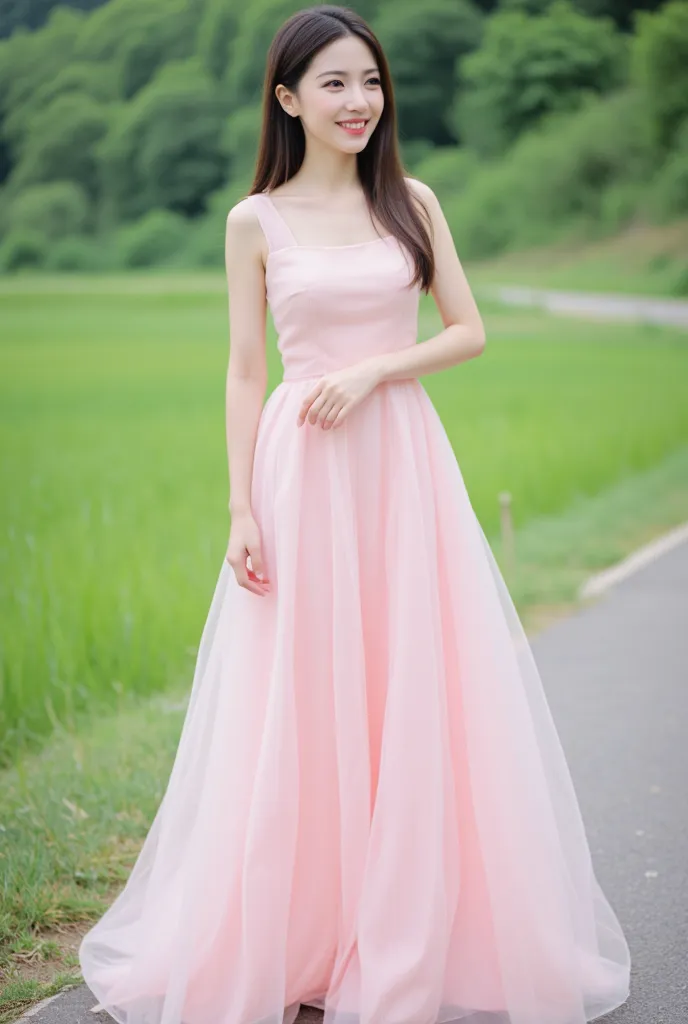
(370, 811)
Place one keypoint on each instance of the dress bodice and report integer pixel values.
(338, 304)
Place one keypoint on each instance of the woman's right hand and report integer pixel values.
(244, 545)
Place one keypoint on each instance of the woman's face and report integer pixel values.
(342, 84)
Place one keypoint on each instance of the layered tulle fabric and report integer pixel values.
(370, 810)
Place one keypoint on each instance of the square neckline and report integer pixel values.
(300, 245)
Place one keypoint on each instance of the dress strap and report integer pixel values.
(275, 228)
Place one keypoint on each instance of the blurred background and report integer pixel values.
(555, 134)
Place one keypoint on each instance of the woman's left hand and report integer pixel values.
(334, 396)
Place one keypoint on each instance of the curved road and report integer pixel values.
(634, 308)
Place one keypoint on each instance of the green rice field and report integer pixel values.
(113, 466)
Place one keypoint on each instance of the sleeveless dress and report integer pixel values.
(369, 810)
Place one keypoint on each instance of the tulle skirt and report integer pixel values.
(370, 809)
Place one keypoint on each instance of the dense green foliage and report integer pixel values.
(33, 13)
(127, 131)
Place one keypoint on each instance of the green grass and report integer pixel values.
(556, 554)
(643, 260)
(114, 475)
(73, 818)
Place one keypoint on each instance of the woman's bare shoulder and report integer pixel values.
(244, 231)
(242, 216)
(420, 190)
(426, 201)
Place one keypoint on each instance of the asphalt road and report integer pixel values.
(616, 675)
(633, 308)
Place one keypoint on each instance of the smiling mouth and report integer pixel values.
(354, 126)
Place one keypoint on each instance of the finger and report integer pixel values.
(254, 564)
(243, 580)
(315, 408)
(242, 576)
(328, 409)
(330, 416)
(262, 584)
(253, 588)
(341, 416)
(303, 413)
(306, 404)
(252, 585)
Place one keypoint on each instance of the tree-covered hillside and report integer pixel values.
(32, 14)
(126, 131)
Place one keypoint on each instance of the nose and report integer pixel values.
(357, 102)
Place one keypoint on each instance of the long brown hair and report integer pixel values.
(282, 141)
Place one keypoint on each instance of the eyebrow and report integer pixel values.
(366, 72)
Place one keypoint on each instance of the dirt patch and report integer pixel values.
(53, 952)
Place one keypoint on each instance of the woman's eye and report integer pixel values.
(337, 81)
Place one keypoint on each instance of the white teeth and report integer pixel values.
(352, 124)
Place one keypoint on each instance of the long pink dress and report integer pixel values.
(370, 811)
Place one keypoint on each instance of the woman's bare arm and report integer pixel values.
(247, 368)
(463, 336)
